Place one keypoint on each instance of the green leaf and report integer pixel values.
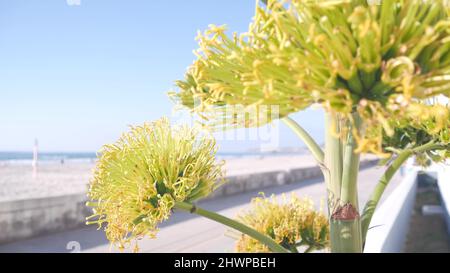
(161, 188)
(153, 201)
(139, 219)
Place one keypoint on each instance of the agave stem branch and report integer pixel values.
(333, 157)
(269, 242)
(374, 199)
(350, 168)
(306, 138)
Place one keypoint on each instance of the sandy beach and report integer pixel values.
(54, 179)
(17, 181)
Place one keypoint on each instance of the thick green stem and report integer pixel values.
(269, 242)
(343, 165)
(374, 199)
(306, 138)
(345, 235)
(349, 189)
(333, 159)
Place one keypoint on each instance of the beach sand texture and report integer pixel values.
(17, 181)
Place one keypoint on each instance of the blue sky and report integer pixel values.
(76, 76)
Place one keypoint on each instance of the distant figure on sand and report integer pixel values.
(35, 158)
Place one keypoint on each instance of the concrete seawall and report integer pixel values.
(22, 219)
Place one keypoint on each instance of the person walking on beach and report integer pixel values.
(35, 158)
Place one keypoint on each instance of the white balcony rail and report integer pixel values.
(391, 221)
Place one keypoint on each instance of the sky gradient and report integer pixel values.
(75, 76)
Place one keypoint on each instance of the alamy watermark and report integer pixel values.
(73, 246)
(374, 2)
(73, 2)
(239, 123)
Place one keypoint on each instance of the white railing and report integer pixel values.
(391, 221)
(444, 189)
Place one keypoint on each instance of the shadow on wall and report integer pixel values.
(428, 229)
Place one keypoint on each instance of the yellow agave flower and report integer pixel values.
(291, 223)
(347, 55)
(421, 124)
(385, 124)
(138, 179)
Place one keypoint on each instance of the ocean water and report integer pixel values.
(27, 157)
(228, 155)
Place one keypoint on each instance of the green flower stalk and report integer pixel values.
(292, 223)
(138, 180)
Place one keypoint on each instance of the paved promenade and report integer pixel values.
(189, 233)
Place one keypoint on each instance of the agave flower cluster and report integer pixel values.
(410, 134)
(138, 179)
(291, 223)
(380, 61)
